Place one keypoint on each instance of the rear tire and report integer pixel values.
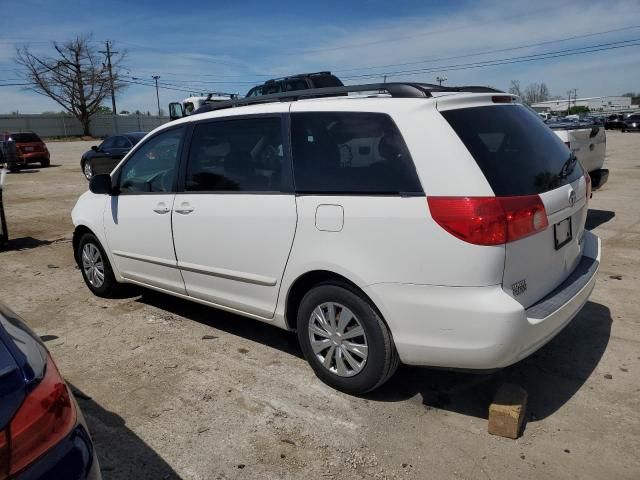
(95, 267)
(45, 163)
(87, 169)
(344, 339)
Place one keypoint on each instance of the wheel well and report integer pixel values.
(77, 235)
(306, 282)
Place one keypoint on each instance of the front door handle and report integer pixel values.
(162, 208)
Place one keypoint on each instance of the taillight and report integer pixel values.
(45, 417)
(587, 179)
(489, 220)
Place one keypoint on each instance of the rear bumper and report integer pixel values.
(599, 177)
(480, 328)
(32, 157)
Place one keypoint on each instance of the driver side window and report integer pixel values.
(154, 166)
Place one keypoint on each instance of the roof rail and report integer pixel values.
(395, 90)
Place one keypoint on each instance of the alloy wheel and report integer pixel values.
(88, 171)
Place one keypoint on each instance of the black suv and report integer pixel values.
(302, 81)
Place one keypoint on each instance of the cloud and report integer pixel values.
(188, 49)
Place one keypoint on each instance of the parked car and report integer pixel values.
(614, 122)
(301, 81)
(29, 149)
(44, 434)
(588, 142)
(632, 123)
(336, 218)
(102, 158)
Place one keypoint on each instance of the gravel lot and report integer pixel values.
(172, 389)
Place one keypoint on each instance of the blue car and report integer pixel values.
(43, 434)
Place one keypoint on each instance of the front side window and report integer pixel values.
(121, 142)
(153, 166)
(357, 153)
(107, 143)
(244, 155)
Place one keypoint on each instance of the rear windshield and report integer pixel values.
(25, 137)
(516, 151)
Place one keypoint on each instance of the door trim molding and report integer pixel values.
(229, 274)
(146, 258)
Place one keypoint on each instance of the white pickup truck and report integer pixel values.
(588, 143)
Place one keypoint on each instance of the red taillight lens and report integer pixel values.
(45, 417)
(4, 456)
(587, 179)
(489, 220)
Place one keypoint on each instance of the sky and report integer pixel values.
(229, 46)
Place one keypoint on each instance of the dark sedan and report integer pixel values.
(614, 122)
(43, 433)
(632, 123)
(104, 157)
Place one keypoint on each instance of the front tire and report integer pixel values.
(95, 267)
(344, 339)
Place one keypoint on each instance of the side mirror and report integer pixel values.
(101, 184)
(94, 148)
(175, 111)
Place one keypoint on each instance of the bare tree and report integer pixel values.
(514, 88)
(536, 92)
(76, 77)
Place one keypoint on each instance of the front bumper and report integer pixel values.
(479, 328)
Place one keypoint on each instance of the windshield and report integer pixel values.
(518, 154)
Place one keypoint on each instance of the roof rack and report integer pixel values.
(395, 90)
(297, 75)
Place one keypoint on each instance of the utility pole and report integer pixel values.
(108, 52)
(385, 79)
(568, 102)
(440, 80)
(575, 97)
(156, 77)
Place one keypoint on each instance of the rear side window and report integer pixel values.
(324, 81)
(25, 137)
(237, 155)
(518, 154)
(352, 153)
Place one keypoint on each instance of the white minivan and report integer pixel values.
(384, 223)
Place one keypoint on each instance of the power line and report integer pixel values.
(487, 52)
(505, 61)
(423, 34)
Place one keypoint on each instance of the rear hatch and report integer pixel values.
(28, 142)
(521, 157)
(588, 143)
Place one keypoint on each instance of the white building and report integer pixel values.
(595, 104)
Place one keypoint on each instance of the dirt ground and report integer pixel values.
(172, 389)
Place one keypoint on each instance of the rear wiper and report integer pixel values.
(568, 167)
